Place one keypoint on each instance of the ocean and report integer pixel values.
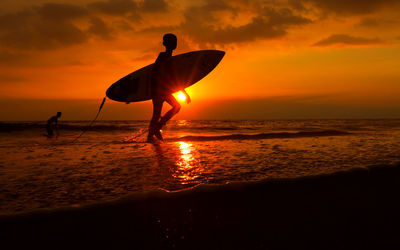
(112, 158)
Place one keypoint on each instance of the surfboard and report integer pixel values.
(179, 72)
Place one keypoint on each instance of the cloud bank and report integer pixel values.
(57, 25)
(346, 39)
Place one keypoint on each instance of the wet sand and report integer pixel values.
(39, 173)
(355, 209)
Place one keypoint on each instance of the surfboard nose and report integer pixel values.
(110, 92)
(220, 53)
(216, 55)
(214, 58)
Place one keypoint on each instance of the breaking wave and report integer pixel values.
(281, 135)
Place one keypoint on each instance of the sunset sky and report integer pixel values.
(284, 58)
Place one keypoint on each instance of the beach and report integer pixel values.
(355, 209)
(245, 184)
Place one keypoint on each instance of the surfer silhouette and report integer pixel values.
(52, 124)
(160, 93)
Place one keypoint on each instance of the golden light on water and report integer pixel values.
(185, 149)
(187, 169)
(182, 123)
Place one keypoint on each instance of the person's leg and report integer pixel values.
(49, 130)
(157, 107)
(175, 109)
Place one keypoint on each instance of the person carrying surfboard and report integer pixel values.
(52, 124)
(160, 93)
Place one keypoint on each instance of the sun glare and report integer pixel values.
(181, 96)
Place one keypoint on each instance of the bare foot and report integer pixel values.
(150, 135)
(158, 134)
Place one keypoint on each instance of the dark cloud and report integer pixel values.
(205, 13)
(269, 23)
(115, 7)
(347, 40)
(53, 25)
(56, 25)
(161, 29)
(370, 22)
(39, 28)
(123, 25)
(55, 11)
(129, 8)
(99, 28)
(351, 6)
(19, 58)
(6, 56)
(154, 6)
(10, 58)
(297, 5)
(203, 24)
(375, 22)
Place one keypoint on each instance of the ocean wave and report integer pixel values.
(281, 135)
(207, 127)
(195, 126)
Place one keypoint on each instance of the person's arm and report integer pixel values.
(153, 87)
(188, 100)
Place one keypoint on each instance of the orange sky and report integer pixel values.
(284, 58)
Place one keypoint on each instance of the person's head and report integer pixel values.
(169, 41)
(58, 114)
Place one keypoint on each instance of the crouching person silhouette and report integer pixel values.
(52, 124)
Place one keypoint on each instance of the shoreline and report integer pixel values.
(357, 208)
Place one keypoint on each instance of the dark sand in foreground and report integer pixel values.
(356, 209)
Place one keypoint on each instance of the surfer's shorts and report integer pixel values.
(159, 94)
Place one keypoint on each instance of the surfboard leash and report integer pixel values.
(91, 123)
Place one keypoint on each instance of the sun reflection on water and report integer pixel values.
(187, 164)
(182, 123)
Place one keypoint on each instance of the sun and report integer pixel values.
(181, 96)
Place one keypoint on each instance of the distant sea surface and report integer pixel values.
(112, 158)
